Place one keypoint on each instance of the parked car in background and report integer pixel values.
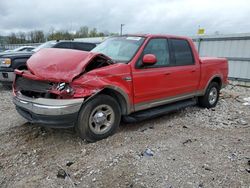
(134, 77)
(17, 60)
(22, 49)
(2, 49)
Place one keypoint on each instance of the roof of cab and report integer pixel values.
(157, 35)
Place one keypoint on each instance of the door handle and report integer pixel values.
(167, 73)
(193, 70)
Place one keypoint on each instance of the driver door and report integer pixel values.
(150, 81)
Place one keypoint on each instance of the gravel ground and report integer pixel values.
(193, 147)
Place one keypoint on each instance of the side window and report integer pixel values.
(182, 52)
(158, 47)
(27, 49)
(83, 46)
(63, 45)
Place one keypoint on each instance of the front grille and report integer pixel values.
(34, 88)
(32, 85)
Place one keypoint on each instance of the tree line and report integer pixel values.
(39, 36)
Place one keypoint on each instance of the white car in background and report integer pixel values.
(22, 49)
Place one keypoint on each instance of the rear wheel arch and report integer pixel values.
(218, 80)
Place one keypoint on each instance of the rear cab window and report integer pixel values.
(182, 52)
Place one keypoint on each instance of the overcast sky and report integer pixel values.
(181, 17)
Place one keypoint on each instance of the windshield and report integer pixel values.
(45, 45)
(120, 48)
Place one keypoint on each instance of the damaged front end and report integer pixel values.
(45, 102)
(47, 94)
(43, 89)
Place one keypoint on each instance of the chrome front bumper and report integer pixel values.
(49, 107)
(55, 113)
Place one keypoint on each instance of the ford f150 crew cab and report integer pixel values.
(132, 77)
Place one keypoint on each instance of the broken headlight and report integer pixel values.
(64, 87)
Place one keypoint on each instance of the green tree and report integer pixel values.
(60, 35)
(93, 33)
(101, 34)
(82, 32)
(12, 39)
(22, 37)
(39, 36)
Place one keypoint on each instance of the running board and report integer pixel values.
(158, 111)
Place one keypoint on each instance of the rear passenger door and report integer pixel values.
(175, 76)
(184, 74)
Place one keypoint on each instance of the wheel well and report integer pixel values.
(217, 80)
(118, 97)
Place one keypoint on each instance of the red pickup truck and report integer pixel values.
(132, 77)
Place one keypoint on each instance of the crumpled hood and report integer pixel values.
(59, 65)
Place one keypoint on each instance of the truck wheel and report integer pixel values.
(98, 118)
(211, 97)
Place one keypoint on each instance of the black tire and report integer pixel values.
(204, 101)
(85, 129)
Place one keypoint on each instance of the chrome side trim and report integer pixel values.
(147, 105)
(48, 107)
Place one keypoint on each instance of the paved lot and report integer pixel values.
(193, 147)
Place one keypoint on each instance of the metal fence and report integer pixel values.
(236, 48)
(90, 39)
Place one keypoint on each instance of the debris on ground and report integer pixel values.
(200, 185)
(188, 141)
(207, 167)
(148, 153)
(147, 128)
(69, 163)
(243, 122)
(233, 156)
(247, 101)
(61, 173)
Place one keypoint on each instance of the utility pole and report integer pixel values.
(121, 29)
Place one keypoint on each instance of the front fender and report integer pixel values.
(89, 85)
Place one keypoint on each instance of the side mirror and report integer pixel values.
(149, 59)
